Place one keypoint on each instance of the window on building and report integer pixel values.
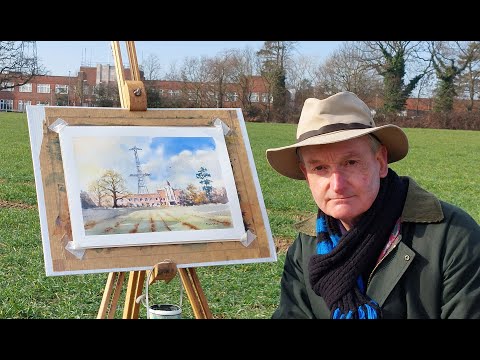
(174, 92)
(254, 97)
(8, 84)
(6, 105)
(191, 95)
(43, 88)
(265, 97)
(61, 89)
(232, 97)
(25, 88)
(22, 104)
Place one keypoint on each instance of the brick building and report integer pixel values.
(79, 90)
(253, 90)
(82, 90)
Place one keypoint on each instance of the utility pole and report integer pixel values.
(142, 188)
(68, 89)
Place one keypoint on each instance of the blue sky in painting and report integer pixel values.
(174, 146)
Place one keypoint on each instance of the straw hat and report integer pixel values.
(340, 117)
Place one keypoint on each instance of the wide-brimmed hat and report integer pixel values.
(340, 117)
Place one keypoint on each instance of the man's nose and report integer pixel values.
(337, 180)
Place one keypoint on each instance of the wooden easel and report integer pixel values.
(133, 96)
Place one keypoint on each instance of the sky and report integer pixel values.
(64, 58)
(170, 156)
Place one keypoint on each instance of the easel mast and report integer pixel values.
(133, 97)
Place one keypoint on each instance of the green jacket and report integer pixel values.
(433, 271)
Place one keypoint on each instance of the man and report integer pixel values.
(379, 246)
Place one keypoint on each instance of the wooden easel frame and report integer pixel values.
(133, 96)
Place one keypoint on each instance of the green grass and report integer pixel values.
(443, 161)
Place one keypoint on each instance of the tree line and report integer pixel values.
(383, 73)
(111, 187)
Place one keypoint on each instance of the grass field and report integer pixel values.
(443, 161)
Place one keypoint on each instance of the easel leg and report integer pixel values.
(113, 286)
(136, 279)
(195, 293)
(134, 290)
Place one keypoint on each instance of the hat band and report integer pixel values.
(331, 128)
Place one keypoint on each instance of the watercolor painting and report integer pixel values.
(134, 185)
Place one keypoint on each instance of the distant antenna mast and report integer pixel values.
(142, 188)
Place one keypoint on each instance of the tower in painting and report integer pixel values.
(142, 188)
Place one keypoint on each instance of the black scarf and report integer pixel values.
(336, 271)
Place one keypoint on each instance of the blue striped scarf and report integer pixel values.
(337, 270)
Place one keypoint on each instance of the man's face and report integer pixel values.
(344, 177)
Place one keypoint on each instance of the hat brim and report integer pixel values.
(285, 161)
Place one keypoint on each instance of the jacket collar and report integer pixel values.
(421, 206)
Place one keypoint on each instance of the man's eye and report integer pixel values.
(351, 162)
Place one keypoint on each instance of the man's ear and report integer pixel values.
(382, 158)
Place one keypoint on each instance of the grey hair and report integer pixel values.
(375, 143)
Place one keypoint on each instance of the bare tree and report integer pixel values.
(275, 55)
(346, 70)
(221, 70)
(18, 63)
(197, 74)
(113, 184)
(245, 66)
(424, 91)
(151, 67)
(468, 83)
(97, 191)
(173, 74)
(300, 80)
